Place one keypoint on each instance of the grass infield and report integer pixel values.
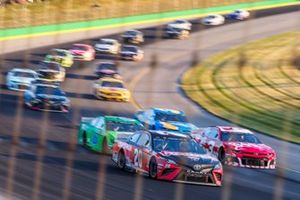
(256, 85)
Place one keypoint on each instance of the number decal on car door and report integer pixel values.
(138, 158)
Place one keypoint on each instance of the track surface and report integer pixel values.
(89, 174)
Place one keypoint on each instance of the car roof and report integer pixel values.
(23, 70)
(109, 40)
(232, 129)
(168, 134)
(110, 80)
(121, 119)
(169, 111)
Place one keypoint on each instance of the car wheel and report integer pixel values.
(105, 148)
(221, 155)
(84, 139)
(121, 160)
(153, 169)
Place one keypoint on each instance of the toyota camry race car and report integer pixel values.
(61, 56)
(167, 156)
(109, 46)
(238, 15)
(20, 79)
(83, 52)
(236, 146)
(213, 20)
(48, 97)
(51, 71)
(133, 36)
(107, 69)
(181, 24)
(100, 133)
(165, 119)
(111, 89)
(130, 52)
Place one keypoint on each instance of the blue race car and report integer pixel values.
(238, 15)
(165, 119)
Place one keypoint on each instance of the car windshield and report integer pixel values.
(176, 144)
(131, 33)
(109, 66)
(240, 137)
(49, 90)
(123, 126)
(129, 48)
(211, 17)
(165, 117)
(58, 53)
(79, 47)
(106, 42)
(50, 66)
(23, 74)
(174, 29)
(179, 22)
(112, 84)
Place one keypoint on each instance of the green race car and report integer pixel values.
(100, 133)
(61, 56)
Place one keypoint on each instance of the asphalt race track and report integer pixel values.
(49, 170)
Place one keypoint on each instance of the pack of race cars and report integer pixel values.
(158, 142)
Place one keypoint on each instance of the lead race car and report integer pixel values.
(20, 79)
(167, 156)
(236, 147)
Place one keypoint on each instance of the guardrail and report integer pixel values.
(33, 31)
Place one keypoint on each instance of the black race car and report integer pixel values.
(107, 69)
(178, 33)
(133, 36)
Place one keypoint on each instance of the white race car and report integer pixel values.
(20, 79)
(110, 46)
(213, 20)
(238, 15)
(181, 24)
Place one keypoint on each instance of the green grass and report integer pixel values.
(58, 11)
(258, 88)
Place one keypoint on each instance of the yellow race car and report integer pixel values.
(111, 89)
(61, 56)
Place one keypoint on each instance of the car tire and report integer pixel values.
(153, 168)
(105, 148)
(221, 155)
(121, 163)
(84, 139)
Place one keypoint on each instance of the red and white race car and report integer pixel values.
(83, 52)
(168, 156)
(236, 146)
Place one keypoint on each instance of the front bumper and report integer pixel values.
(112, 96)
(44, 106)
(250, 162)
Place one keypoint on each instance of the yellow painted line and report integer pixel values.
(135, 23)
(133, 84)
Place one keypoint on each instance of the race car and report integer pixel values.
(100, 133)
(111, 89)
(167, 156)
(181, 24)
(238, 15)
(173, 32)
(83, 52)
(236, 147)
(133, 36)
(20, 79)
(165, 119)
(47, 97)
(61, 56)
(107, 69)
(130, 52)
(51, 71)
(213, 20)
(109, 46)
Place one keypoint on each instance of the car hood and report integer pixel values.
(54, 98)
(249, 147)
(190, 159)
(22, 79)
(183, 127)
